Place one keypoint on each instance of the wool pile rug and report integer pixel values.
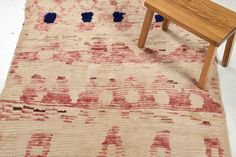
(79, 86)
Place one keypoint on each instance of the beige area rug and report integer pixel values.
(79, 86)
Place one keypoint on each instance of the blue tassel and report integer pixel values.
(159, 18)
(50, 17)
(118, 16)
(87, 16)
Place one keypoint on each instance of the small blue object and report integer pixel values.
(87, 16)
(159, 18)
(118, 16)
(50, 17)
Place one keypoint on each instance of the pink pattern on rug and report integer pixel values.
(161, 141)
(112, 138)
(39, 142)
(213, 144)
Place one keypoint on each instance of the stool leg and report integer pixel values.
(228, 50)
(146, 26)
(206, 68)
(165, 25)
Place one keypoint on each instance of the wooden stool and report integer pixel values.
(203, 18)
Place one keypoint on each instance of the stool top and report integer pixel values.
(204, 18)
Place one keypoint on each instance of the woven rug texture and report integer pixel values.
(79, 86)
